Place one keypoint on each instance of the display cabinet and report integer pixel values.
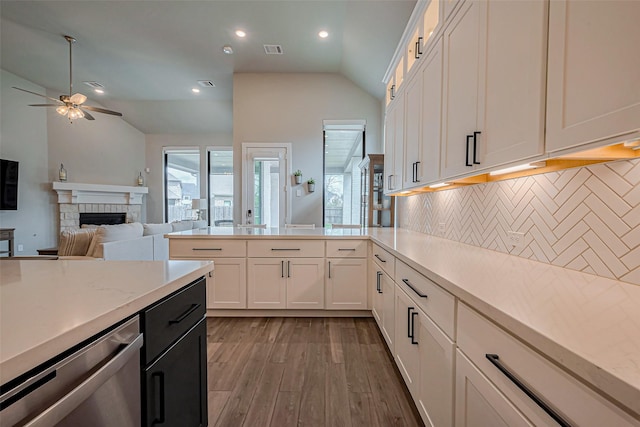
(377, 209)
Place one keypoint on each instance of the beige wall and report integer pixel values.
(154, 179)
(23, 138)
(291, 108)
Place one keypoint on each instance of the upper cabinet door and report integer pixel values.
(593, 78)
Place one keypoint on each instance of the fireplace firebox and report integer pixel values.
(95, 218)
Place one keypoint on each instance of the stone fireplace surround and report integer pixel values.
(76, 198)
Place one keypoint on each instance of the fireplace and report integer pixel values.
(107, 218)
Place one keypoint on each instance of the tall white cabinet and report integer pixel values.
(594, 88)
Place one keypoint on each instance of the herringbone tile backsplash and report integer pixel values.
(585, 219)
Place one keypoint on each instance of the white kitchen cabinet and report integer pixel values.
(423, 106)
(479, 403)
(435, 395)
(494, 85)
(388, 309)
(394, 145)
(227, 284)
(508, 364)
(293, 283)
(407, 330)
(593, 89)
(346, 284)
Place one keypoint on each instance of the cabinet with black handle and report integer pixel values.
(173, 359)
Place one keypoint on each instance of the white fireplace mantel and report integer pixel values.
(73, 193)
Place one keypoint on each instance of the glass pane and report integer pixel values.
(221, 187)
(266, 197)
(182, 184)
(342, 177)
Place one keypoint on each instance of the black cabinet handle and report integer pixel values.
(206, 249)
(409, 329)
(285, 249)
(346, 249)
(475, 148)
(288, 268)
(376, 255)
(415, 53)
(421, 295)
(418, 46)
(466, 153)
(282, 269)
(329, 269)
(413, 328)
(184, 315)
(495, 360)
(379, 274)
(417, 180)
(160, 376)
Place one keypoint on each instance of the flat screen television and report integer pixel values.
(8, 185)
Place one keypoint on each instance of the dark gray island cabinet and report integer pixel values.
(174, 359)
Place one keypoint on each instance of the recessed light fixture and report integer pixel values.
(323, 34)
(240, 33)
(195, 90)
(100, 91)
(518, 168)
(227, 49)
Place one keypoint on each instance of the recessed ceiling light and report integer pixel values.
(240, 33)
(195, 90)
(323, 34)
(227, 49)
(100, 91)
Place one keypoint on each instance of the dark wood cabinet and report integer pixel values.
(174, 359)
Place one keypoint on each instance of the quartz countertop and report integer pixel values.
(46, 307)
(587, 324)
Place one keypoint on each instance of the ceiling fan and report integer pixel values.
(71, 105)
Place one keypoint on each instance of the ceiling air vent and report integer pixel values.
(273, 49)
(94, 85)
(206, 83)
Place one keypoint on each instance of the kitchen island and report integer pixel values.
(585, 327)
(49, 307)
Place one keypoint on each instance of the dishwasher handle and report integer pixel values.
(64, 406)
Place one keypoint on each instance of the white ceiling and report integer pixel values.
(149, 54)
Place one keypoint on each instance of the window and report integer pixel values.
(343, 150)
(220, 186)
(181, 183)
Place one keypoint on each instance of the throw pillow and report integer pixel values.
(151, 229)
(182, 225)
(75, 242)
(112, 233)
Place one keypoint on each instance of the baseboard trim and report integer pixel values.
(287, 313)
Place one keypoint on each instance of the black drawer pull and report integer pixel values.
(206, 249)
(379, 274)
(467, 151)
(160, 376)
(285, 249)
(475, 148)
(376, 255)
(184, 315)
(495, 360)
(413, 328)
(409, 325)
(421, 295)
(347, 249)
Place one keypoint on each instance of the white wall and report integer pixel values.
(155, 180)
(23, 137)
(290, 108)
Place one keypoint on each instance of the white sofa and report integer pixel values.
(135, 241)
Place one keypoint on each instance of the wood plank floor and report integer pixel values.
(303, 372)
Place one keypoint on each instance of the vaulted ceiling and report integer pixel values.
(150, 54)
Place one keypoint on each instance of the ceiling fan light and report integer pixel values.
(78, 98)
(75, 113)
(62, 110)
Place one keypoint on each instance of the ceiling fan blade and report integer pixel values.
(77, 98)
(88, 116)
(101, 110)
(44, 105)
(33, 93)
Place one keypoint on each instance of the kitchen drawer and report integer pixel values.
(286, 248)
(573, 401)
(207, 248)
(167, 320)
(384, 260)
(346, 248)
(435, 302)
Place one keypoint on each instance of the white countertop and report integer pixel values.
(588, 324)
(49, 306)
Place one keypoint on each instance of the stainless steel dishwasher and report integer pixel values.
(97, 385)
